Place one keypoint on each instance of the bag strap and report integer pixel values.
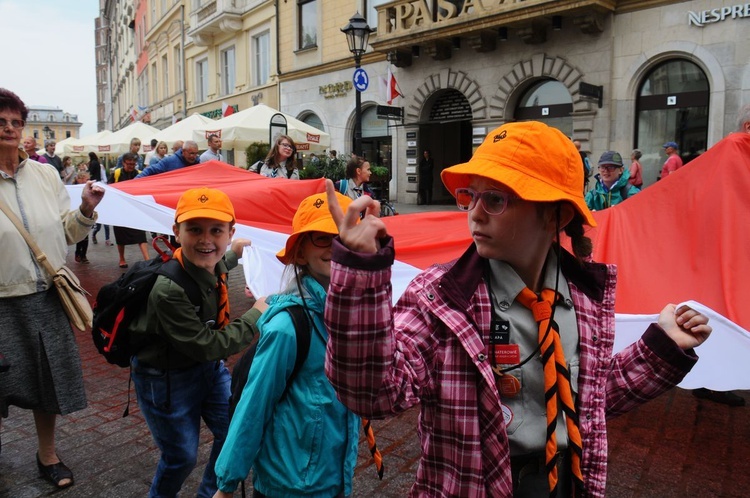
(302, 331)
(173, 270)
(38, 254)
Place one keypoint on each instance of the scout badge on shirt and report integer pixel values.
(504, 355)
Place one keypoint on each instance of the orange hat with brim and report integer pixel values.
(312, 216)
(204, 202)
(537, 162)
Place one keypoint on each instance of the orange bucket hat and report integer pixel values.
(312, 216)
(204, 202)
(538, 162)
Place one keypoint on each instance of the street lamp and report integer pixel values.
(357, 35)
(47, 132)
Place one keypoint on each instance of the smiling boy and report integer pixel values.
(178, 371)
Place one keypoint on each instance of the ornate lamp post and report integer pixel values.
(357, 36)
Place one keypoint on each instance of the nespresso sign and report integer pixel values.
(703, 17)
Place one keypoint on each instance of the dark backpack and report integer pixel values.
(241, 369)
(119, 302)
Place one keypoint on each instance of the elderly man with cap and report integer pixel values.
(496, 346)
(612, 183)
(673, 162)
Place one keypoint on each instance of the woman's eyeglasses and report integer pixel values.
(286, 146)
(494, 202)
(14, 123)
(321, 240)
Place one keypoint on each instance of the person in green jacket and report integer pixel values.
(300, 440)
(612, 186)
(178, 372)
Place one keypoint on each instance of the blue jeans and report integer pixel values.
(197, 392)
(98, 227)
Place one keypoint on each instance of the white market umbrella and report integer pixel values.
(81, 146)
(183, 130)
(69, 147)
(119, 141)
(253, 125)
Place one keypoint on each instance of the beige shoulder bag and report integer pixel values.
(73, 297)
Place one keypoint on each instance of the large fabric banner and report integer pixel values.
(684, 238)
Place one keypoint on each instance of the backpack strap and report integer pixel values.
(343, 186)
(174, 271)
(302, 331)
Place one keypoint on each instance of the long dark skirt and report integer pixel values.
(127, 236)
(37, 340)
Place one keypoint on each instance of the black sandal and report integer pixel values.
(55, 473)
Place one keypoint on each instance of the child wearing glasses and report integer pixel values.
(281, 161)
(612, 183)
(298, 439)
(508, 349)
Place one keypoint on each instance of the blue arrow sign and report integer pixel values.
(361, 80)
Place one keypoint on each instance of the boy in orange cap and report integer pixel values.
(179, 373)
(508, 349)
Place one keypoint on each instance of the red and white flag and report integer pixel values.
(133, 114)
(391, 87)
(226, 110)
(680, 239)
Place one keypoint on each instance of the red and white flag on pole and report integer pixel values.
(133, 114)
(391, 88)
(226, 110)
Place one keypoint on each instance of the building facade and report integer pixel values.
(51, 123)
(617, 75)
(118, 25)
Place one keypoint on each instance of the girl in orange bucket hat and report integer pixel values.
(508, 349)
(297, 436)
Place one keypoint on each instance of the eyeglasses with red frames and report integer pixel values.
(14, 123)
(494, 202)
(321, 240)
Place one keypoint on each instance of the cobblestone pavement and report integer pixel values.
(675, 446)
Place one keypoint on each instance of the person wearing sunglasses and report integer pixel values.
(508, 350)
(281, 161)
(612, 183)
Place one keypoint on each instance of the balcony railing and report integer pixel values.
(214, 16)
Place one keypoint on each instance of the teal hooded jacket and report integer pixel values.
(600, 197)
(306, 443)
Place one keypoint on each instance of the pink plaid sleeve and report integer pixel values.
(373, 373)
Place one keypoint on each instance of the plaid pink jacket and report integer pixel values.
(430, 349)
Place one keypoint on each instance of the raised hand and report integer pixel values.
(360, 235)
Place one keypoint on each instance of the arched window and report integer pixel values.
(51, 117)
(548, 101)
(313, 120)
(671, 106)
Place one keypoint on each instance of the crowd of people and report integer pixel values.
(457, 343)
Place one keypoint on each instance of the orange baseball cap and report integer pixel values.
(204, 202)
(312, 216)
(538, 162)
